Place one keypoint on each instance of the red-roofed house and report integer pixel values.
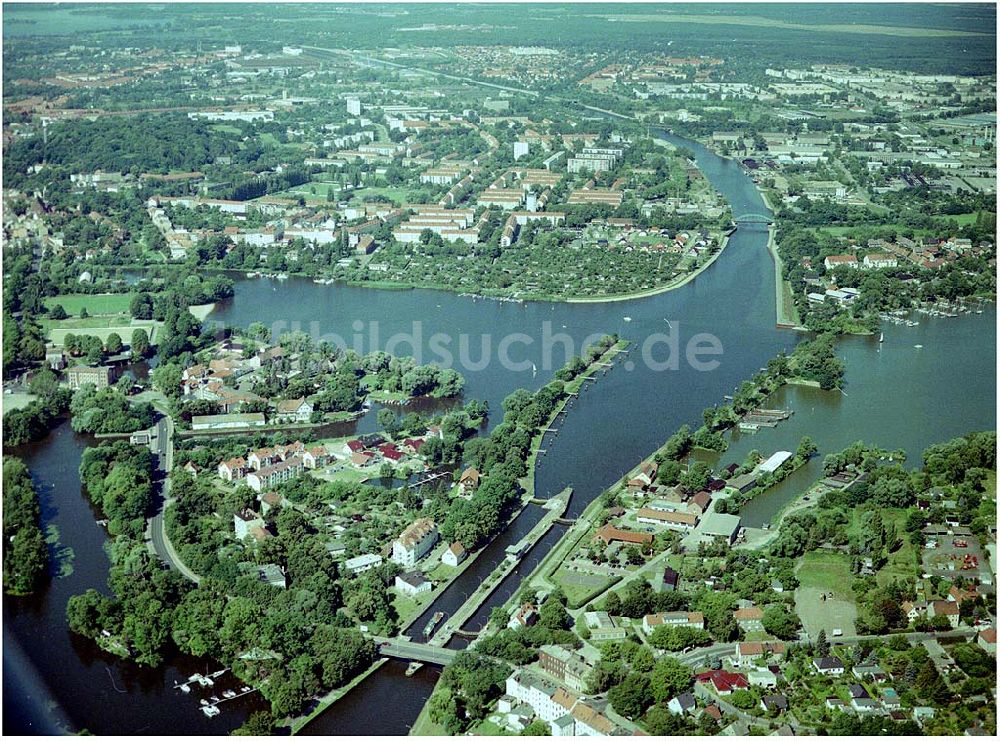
(725, 683)
(233, 470)
(352, 446)
(391, 452)
(987, 640)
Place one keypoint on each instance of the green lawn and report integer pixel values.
(991, 486)
(489, 728)
(397, 195)
(96, 303)
(321, 187)
(580, 587)
(829, 572)
(408, 608)
(57, 331)
(348, 474)
(962, 219)
(902, 564)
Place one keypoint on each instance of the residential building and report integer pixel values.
(724, 682)
(603, 627)
(55, 358)
(98, 376)
(667, 581)
(673, 619)
(316, 457)
(747, 652)
(716, 525)
(273, 574)
(523, 617)
(454, 554)
(750, 619)
(270, 476)
(944, 607)
(362, 563)
(611, 534)
(683, 703)
(412, 583)
(565, 665)
(245, 522)
(673, 520)
(468, 482)
(414, 542)
(840, 261)
(987, 640)
(774, 703)
(880, 260)
(293, 410)
(830, 665)
(233, 469)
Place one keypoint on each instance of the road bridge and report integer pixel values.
(753, 219)
(400, 648)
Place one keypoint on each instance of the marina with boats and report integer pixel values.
(210, 706)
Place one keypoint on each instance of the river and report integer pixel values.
(896, 397)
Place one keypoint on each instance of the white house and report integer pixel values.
(829, 665)
(685, 619)
(293, 410)
(362, 563)
(412, 583)
(454, 554)
(246, 521)
(280, 472)
(414, 542)
(232, 470)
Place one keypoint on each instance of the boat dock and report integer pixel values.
(755, 419)
(210, 706)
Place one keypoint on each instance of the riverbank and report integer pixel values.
(488, 295)
(672, 286)
(201, 311)
(787, 314)
(297, 724)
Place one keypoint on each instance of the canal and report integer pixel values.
(900, 397)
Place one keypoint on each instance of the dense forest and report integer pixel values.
(126, 144)
(25, 556)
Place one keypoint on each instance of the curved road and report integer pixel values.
(156, 530)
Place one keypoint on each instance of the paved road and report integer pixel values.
(163, 448)
(400, 649)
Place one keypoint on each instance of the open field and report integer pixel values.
(825, 574)
(16, 401)
(580, 587)
(58, 331)
(94, 303)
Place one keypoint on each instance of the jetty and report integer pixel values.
(757, 418)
